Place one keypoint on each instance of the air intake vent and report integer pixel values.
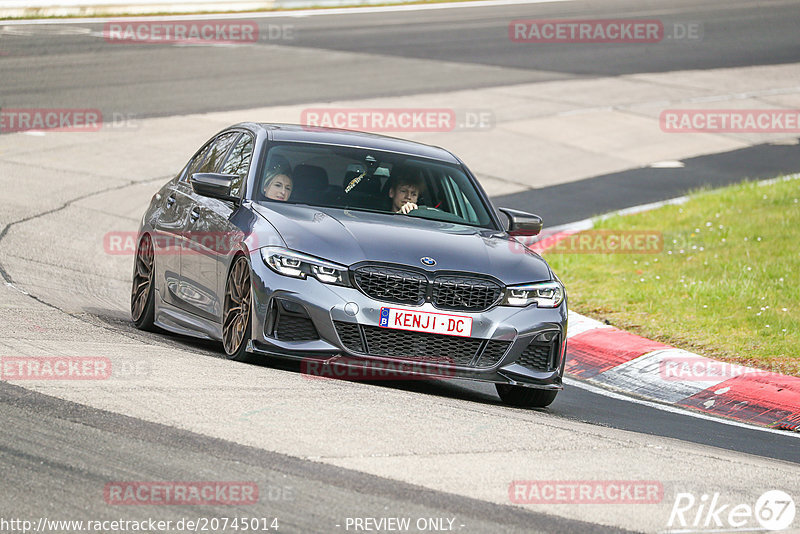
(289, 321)
(541, 356)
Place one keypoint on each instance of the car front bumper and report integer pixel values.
(331, 307)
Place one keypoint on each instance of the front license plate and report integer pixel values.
(419, 321)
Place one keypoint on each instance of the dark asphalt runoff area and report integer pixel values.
(63, 459)
(582, 199)
(399, 53)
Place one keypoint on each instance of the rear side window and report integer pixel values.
(218, 151)
(238, 163)
(210, 157)
(197, 161)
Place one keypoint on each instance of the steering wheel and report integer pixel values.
(422, 209)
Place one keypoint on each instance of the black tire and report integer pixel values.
(142, 299)
(236, 312)
(525, 397)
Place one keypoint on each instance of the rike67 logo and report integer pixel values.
(773, 510)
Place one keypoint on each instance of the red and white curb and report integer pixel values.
(612, 358)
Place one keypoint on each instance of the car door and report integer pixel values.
(207, 238)
(170, 229)
(237, 225)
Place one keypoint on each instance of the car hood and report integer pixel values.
(347, 237)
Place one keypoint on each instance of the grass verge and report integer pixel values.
(725, 283)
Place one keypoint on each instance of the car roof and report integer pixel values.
(331, 136)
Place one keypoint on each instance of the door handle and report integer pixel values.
(170, 201)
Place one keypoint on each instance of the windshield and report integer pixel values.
(370, 180)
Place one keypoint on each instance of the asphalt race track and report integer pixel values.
(369, 55)
(324, 451)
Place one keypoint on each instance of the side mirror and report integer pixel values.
(521, 223)
(214, 185)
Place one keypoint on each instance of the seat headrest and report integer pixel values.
(308, 181)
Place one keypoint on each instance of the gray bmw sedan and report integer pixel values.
(348, 250)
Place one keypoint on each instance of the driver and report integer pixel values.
(405, 190)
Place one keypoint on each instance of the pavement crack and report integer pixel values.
(9, 281)
(6, 276)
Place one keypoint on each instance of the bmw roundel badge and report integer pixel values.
(427, 260)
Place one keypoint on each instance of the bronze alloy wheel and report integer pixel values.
(236, 312)
(142, 281)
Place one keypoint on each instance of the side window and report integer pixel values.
(460, 202)
(218, 150)
(238, 163)
(196, 162)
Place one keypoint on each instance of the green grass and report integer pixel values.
(725, 285)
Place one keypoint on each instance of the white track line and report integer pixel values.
(587, 224)
(673, 409)
(288, 13)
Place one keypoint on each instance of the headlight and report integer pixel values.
(297, 265)
(544, 294)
